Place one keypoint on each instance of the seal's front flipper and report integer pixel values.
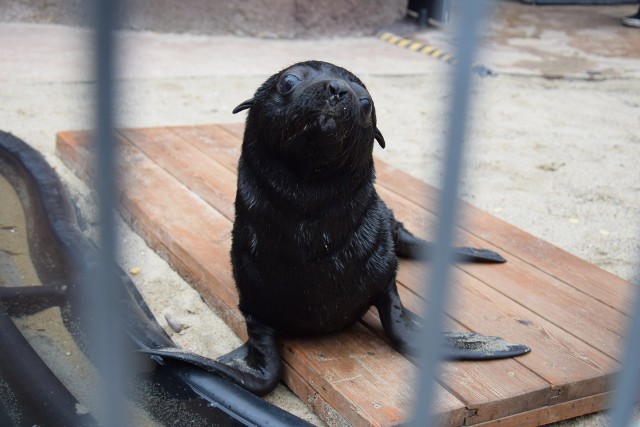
(403, 329)
(254, 366)
(256, 363)
(400, 325)
(409, 246)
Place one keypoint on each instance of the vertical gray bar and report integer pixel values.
(106, 328)
(628, 381)
(470, 16)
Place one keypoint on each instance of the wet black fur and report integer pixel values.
(312, 241)
(313, 245)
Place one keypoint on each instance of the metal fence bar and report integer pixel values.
(107, 343)
(469, 19)
(102, 299)
(628, 382)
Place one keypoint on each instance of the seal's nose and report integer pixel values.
(337, 90)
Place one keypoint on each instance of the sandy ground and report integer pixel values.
(557, 157)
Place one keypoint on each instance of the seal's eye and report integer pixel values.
(287, 83)
(365, 104)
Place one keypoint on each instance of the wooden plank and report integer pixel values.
(587, 278)
(354, 393)
(72, 147)
(218, 142)
(578, 313)
(313, 399)
(148, 141)
(173, 223)
(490, 389)
(504, 398)
(566, 368)
(572, 366)
(144, 208)
(573, 373)
(236, 129)
(604, 286)
(591, 379)
(554, 413)
(498, 388)
(362, 367)
(209, 179)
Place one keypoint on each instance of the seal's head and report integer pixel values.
(314, 113)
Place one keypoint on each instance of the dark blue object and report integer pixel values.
(430, 9)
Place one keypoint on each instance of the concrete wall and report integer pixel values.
(259, 18)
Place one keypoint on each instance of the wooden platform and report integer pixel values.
(179, 186)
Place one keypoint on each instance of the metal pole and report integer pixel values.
(470, 16)
(106, 331)
(628, 381)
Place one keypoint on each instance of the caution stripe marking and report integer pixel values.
(416, 46)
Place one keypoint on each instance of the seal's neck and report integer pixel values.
(293, 179)
(316, 156)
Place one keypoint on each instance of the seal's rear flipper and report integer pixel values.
(403, 329)
(472, 346)
(254, 366)
(475, 255)
(409, 246)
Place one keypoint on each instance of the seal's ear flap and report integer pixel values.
(378, 137)
(245, 105)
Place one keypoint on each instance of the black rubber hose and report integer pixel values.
(55, 236)
(42, 397)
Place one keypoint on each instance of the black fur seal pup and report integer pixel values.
(314, 246)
